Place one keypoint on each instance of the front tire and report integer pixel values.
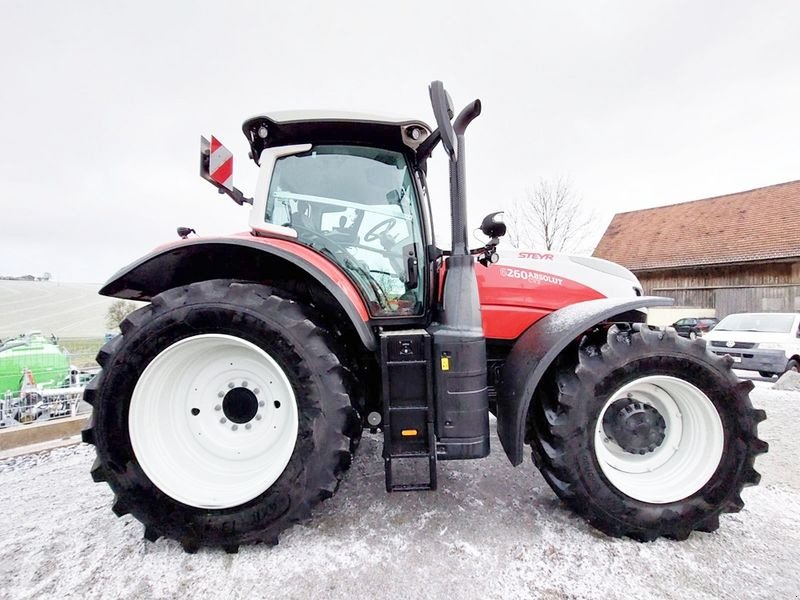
(221, 415)
(648, 435)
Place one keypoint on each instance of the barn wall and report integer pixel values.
(728, 289)
(764, 299)
(748, 275)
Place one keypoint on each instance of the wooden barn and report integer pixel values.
(733, 253)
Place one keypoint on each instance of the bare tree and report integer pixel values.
(550, 216)
(117, 311)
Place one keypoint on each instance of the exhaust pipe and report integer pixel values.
(462, 398)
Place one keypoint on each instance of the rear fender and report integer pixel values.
(538, 347)
(246, 258)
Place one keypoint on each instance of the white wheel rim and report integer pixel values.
(181, 428)
(686, 458)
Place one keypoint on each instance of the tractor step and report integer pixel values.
(409, 439)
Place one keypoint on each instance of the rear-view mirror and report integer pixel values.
(493, 225)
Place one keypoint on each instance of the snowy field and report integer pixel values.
(491, 531)
(63, 309)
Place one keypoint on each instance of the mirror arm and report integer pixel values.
(235, 194)
(426, 148)
(487, 254)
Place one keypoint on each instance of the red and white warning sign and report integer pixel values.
(220, 164)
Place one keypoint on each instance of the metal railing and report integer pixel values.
(35, 404)
(21, 408)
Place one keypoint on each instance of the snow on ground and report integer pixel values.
(788, 381)
(491, 531)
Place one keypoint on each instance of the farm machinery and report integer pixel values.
(234, 401)
(37, 382)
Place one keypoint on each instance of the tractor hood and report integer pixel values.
(525, 285)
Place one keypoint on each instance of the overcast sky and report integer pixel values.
(639, 103)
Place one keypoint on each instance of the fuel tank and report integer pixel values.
(525, 285)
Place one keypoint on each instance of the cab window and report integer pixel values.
(357, 206)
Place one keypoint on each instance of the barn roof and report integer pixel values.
(756, 225)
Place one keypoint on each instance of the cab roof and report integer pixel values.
(283, 128)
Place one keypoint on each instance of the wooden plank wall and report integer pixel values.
(742, 288)
(763, 299)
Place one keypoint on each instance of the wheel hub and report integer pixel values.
(240, 405)
(636, 427)
(682, 462)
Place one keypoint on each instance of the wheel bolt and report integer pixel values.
(262, 404)
(256, 391)
(234, 428)
(223, 420)
(244, 384)
(248, 426)
(230, 385)
(220, 394)
(258, 417)
(217, 407)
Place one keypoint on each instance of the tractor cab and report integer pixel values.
(357, 205)
(348, 186)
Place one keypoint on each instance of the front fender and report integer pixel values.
(535, 351)
(238, 257)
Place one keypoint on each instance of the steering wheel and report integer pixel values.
(380, 230)
(325, 241)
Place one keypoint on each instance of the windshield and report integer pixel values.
(768, 323)
(357, 206)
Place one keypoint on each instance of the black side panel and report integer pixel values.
(537, 348)
(224, 258)
(462, 397)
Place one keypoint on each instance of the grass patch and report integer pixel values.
(82, 350)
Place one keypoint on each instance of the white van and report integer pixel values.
(765, 342)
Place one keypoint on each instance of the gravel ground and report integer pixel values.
(491, 531)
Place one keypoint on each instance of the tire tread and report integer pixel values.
(318, 376)
(558, 433)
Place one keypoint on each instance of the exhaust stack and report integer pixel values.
(462, 399)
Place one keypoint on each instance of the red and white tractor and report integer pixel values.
(233, 402)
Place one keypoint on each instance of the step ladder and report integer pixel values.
(409, 439)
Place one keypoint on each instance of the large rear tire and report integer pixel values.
(648, 435)
(221, 415)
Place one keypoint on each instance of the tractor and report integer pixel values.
(234, 401)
